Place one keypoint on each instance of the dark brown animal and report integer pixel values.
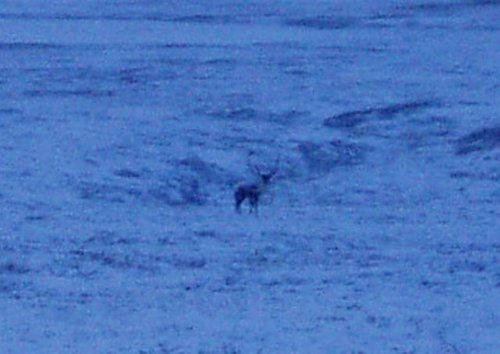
(253, 190)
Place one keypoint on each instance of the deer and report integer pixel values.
(253, 190)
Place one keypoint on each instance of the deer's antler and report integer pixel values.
(253, 167)
(275, 168)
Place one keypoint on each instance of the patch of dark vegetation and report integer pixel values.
(426, 130)
(283, 282)
(220, 62)
(192, 286)
(116, 260)
(322, 158)
(430, 284)
(163, 348)
(323, 22)
(13, 288)
(188, 262)
(108, 192)
(434, 125)
(483, 2)
(466, 266)
(81, 298)
(478, 141)
(10, 111)
(186, 182)
(472, 3)
(189, 182)
(285, 117)
(209, 172)
(461, 174)
(28, 46)
(224, 349)
(206, 233)
(265, 257)
(181, 190)
(133, 16)
(13, 268)
(388, 16)
(441, 8)
(204, 18)
(173, 45)
(246, 113)
(352, 119)
(109, 238)
(28, 16)
(295, 71)
(331, 318)
(249, 113)
(5, 287)
(466, 249)
(435, 6)
(231, 284)
(231, 280)
(379, 321)
(132, 76)
(127, 173)
(35, 217)
(348, 154)
(70, 93)
(166, 241)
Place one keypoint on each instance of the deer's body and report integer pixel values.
(250, 191)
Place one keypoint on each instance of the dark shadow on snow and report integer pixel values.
(352, 119)
(322, 158)
(480, 140)
(323, 22)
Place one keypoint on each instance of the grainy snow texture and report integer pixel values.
(126, 125)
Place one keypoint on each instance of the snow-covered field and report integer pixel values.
(126, 125)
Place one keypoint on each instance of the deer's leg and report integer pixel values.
(251, 203)
(239, 197)
(254, 203)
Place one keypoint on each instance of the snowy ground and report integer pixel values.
(125, 125)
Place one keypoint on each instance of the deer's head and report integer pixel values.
(265, 177)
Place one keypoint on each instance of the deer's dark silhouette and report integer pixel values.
(253, 190)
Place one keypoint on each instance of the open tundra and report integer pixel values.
(126, 126)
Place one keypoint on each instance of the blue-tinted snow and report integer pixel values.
(125, 125)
